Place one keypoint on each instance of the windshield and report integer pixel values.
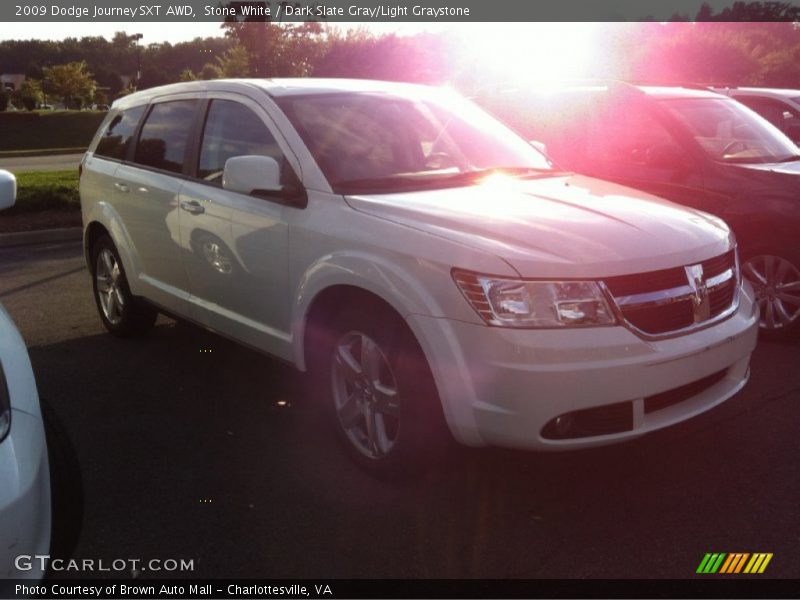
(383, 143)
(729, 132)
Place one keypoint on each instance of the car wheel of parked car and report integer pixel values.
(121, 313)
(382, 394)
(775, 276)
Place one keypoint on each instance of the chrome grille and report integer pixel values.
(671, 300)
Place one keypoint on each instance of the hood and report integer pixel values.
(559, 227)
(769, 177)
(789, 169)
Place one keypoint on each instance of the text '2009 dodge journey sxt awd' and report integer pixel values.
(426, 264)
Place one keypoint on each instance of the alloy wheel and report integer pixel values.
(109, 286)
(777, 285)
(365, 394)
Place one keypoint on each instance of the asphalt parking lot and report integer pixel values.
(58, 162)
(185, 445)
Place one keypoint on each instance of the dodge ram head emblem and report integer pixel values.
(701, 305)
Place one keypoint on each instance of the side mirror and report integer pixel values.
(8, 190)
(252, 174)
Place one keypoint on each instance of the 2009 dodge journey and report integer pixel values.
(427, 266)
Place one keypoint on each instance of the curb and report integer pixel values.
(41, 236)
(42, 152)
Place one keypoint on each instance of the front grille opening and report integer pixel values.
(602, 420)
(668, 316)
(682, 393)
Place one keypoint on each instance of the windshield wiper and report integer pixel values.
(788, 159)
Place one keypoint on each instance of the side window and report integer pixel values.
(117, 136)
(628, 133)
(162, 142)
(232, 129)
(773, 111)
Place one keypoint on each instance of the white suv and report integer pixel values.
(425, 263)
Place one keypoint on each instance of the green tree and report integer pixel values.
(71, 82)
(4, 98)
(280, 50)
(235, 62)
(187, 75)
(210, 71)
(29, 94)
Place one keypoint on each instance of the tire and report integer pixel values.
(66, 487)
(774, 272)
(121, 313)
(392, 426)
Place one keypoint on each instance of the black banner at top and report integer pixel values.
(366, 11)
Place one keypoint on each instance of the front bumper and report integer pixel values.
(502, 386)
(24, 496)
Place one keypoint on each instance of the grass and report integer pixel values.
(38, 191)
(45, 130)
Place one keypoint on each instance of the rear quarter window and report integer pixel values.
(117, 134)
(165, 135)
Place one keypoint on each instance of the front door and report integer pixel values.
(235, 246)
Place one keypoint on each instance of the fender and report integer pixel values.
(107, 216)
(386, 279)
(403, 292)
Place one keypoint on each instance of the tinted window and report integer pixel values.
(625, 131)
(777, 113)
(117, 136)
(383, 141)
(728, 132)
(231, 130)
(162, 143)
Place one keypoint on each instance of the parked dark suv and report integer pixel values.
(692, 146)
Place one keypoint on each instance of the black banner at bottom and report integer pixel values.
(176, 589)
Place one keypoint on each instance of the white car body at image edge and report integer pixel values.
(24, 468)
(548, 310)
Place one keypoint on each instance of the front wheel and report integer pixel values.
(382, 395)
(121, 313)
(775, 276)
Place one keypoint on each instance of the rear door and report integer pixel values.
(235, 246)
(147, 190)
(111, 148)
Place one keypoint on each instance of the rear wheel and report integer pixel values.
(775, 276)
(381, 394)
(121, 313)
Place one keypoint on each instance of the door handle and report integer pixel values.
(192, 206)
(121, 186)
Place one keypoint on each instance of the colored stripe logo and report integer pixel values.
(733, 563)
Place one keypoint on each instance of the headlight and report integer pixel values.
(535, 304)
(5, 407)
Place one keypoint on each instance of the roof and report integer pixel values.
(771, 92)
(671, 93)
(600, 86)
(274, 87)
